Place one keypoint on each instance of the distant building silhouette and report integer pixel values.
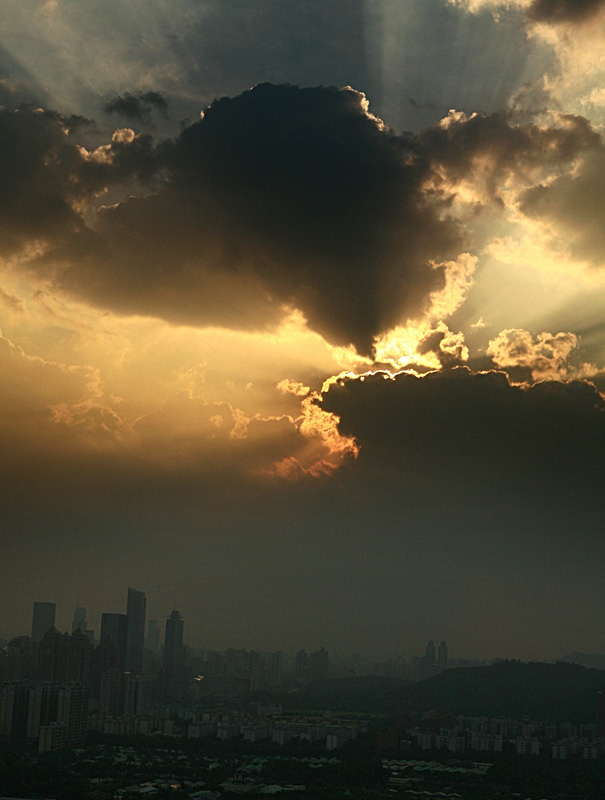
(43, 619)
(14, 702)
(276, 668)
(152, 642)
(173, 642)
(63, 658)
(320, 664)
(79, 621)
(113, 643)
(442, 657)
(135, 639)
(302, 667)
(429, 653)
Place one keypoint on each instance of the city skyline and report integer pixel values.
(172, 625)
(302, 321)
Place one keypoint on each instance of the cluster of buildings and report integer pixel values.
(49, 680)
(459, 734)
(433, 662)
(265, 723)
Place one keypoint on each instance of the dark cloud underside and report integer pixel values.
(477, 433)
(558, 11)
(279, 198)
(138, 106)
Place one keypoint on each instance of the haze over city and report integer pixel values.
(301, 312)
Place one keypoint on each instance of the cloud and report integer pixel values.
(555, 12)
(573, 208)
(474, 432)
(137, 106)
(277, 199)
(545, 356)
(53, 409)
(476, 158)
(551, 12)
(11, 300)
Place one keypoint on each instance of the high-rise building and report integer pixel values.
(320, 664)
(302, 667)
(442, 657)
(112, 692)
(152, 642)
(173, 642)
(80, 658)
(52, 657)
(43, 619)
(14, 705)
(135, 638)
(79, 621)
(72, 711)
(43, 706)
(429, 653)
(137, 694)
(114, 639)
(276, 668)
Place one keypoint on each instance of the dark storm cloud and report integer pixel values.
(36, 186)
(476, 432)
(278, 197)
(136, 106)
(559, 11)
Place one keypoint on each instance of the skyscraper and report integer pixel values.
(152, 642)
(114, 632)
(302, 667)
(276, 673)
(442, 657)
(320, 664)
(79, 622)
(173, 642)
(42, 620)
(429, 653)
(135, 638)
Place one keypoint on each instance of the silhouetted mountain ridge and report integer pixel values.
(559, 692)
(592, 660)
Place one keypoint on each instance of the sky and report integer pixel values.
(302, 320)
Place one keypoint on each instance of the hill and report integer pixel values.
(593, 660)
(559, 692)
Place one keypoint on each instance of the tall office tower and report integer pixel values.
(301, 667)
(19, 660)
(43, 706)
(72, 711)
(79, 622)
(53, 654)
(112, 691)
(276, 668)
(320, 664)
(429, 653)
(43, 618)
(14, 705)
(135, 638)
(173, 642)
(442, 657)
(152, 642)
(80, 658)
(114, 639)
